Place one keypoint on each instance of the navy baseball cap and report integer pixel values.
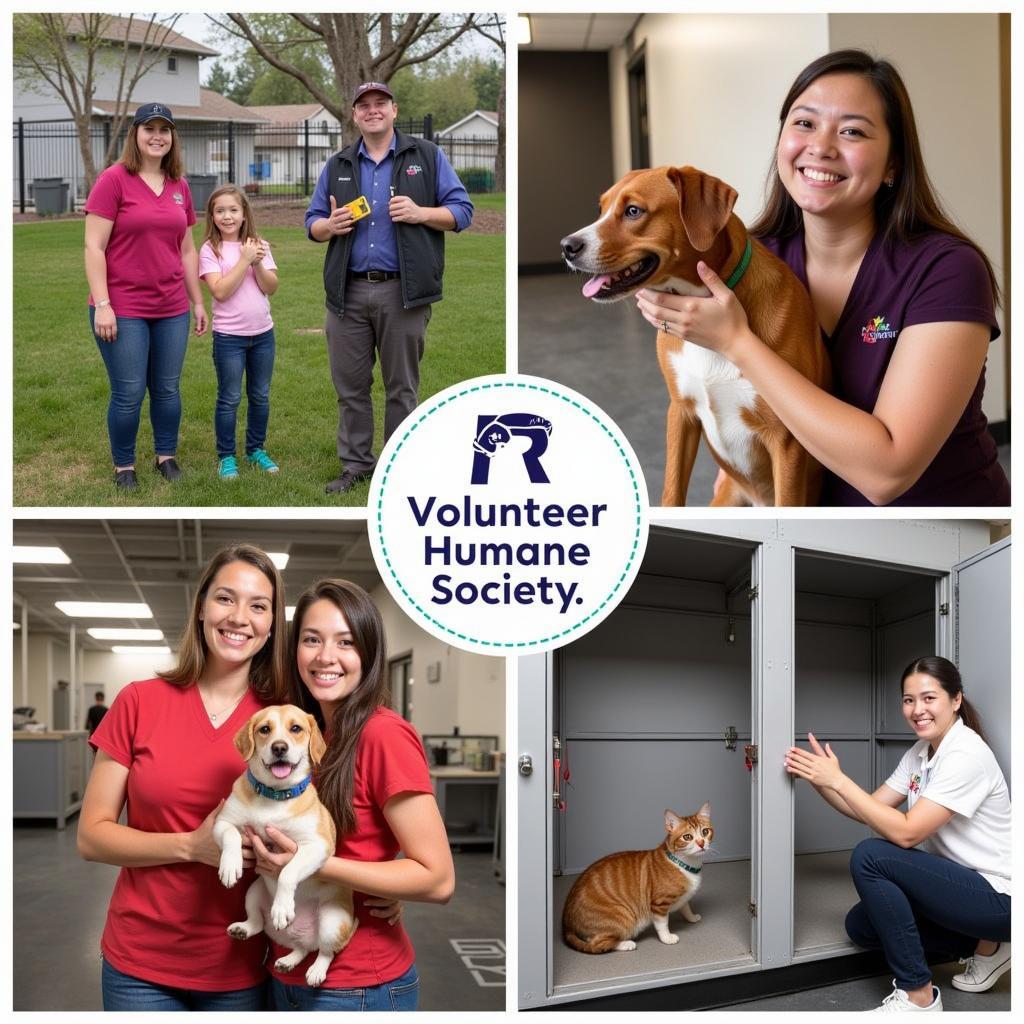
(372, 87)
(151, 111)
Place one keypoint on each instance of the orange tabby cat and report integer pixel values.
(619, 895)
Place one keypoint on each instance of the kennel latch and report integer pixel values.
(526, 765)
(944, 608)
(752, 908)
(752, 593)
(731, 736)
(750, 756)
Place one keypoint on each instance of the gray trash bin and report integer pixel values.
(201, 186)
(51, 195)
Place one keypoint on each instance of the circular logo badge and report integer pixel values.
(508, 514)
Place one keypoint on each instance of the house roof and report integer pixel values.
(212, 107)
(289, 113)
(487, 115)
(116, 28)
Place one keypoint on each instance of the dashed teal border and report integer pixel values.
(637, 533)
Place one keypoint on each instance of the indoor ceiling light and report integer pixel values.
(104, 609)
(110, 633)
(40, 556)
(279, 558)
(524, 31)
(141, 650)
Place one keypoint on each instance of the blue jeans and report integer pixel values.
(402, 994)
(147, 354)
(234, 354)
(123, 992)
(913, 902)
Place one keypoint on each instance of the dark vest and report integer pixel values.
(420, 248)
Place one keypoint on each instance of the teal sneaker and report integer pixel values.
(228, 468)
(261, 460)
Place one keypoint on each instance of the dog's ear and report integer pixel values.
(245, 739)
(705, 204)
(317, 746)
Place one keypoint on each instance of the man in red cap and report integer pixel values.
(383, 270)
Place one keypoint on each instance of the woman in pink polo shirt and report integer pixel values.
(143, 275)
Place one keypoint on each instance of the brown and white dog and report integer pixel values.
(282, 745)
(655, 225)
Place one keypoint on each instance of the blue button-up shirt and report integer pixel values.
(375, 243)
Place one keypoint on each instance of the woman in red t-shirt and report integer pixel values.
(166, 751)
(375, 782)
(143, 271)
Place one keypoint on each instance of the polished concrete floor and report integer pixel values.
(607, 353)
(60, 904)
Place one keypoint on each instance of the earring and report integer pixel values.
(890, 181)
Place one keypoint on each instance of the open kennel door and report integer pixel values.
(981, 641)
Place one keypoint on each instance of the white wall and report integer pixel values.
(471, 690)
(714, 87)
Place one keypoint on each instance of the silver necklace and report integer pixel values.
(214, 715)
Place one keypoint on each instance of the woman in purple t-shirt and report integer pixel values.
(906, 302)
(143, 273)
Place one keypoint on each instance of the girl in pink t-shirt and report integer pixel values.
(238, 269)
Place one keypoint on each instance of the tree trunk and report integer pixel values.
(499, 156)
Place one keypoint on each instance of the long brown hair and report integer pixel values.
(269, 663)
(172, 164)
(908, 209)
(245, 232)
(946, 674)
(334, 778)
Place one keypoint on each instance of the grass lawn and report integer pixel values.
(61, 448)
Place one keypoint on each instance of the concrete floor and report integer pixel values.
(60, 904)
(607, 353)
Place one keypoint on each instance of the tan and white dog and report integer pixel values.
(654, 227)
(282, 745)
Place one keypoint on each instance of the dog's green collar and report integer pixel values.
(279, 794)
(682, 863)
(741, 267)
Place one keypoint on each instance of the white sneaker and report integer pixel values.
(897, 1002)
(983, 971)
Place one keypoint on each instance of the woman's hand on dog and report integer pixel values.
(271, 859)
(715, 322)
(203, 848)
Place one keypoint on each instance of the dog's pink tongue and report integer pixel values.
(281, 771)
(595, 284)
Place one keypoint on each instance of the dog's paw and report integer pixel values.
(285, 964)
(316, 974)
(282, 913)
(230, 870)
(240, 930)
(695, 919)
(670, 939)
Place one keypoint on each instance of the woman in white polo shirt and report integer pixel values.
(939, 879)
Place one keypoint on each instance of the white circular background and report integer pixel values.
(588, 462)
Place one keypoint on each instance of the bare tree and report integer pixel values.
(492, 27)
(361, 47)
(66, 53)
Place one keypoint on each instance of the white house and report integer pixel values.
(211, 127)
(294, 144)
(472, 143)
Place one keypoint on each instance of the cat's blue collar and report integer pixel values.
(682, 863)
(278, 794)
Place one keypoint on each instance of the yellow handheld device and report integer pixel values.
(360, 208)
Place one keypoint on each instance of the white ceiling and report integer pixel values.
(159, 561)
(579, 31)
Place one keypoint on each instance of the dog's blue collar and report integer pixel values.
(741, 267)
(278, 794)
(682, 863)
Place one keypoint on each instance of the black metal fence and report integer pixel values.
(272, 162)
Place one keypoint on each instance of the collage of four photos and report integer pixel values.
(254, 254)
